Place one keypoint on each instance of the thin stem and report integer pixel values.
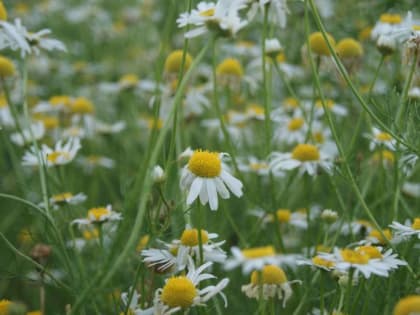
(200, 236)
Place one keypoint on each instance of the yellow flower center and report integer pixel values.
(97, 213)
(319, 261)
(129, 79)
(365, 33)
(258, 252)
(377, 234)
(291, 102)
(207, 13)
(328, 104)
(144, 240)
(416, 224)
(318, 45)
(255, 109)
(3, 101)
(34, 313)
(371, 251)
(90, 234)
(416, 27)
(283, 215)
(174, 61)
(49, 122)
(62, 197)
(318, 137)
(258, 166)
(270, 274)
(7, 67)
(305, 152)
(190, 237)
(280, 58)
(390, 18)
(179, 292)
(59, 100)
(349, 48)
(54, 156)
(295, 124)
(383, 136)
(4, 307)
(384, 155)
(230, 67)
(354, 257)
(3, 12)
(409, 305)
(154, 124)
(205, 164)
(82, 105)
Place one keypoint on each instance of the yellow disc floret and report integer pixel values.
(97, 214)
(230, 67)
(179, 292)
(295, 124)
(383, 136)
(390, 18)
(258, 252)
(3, 12)
(349, 48)
(377, 234)
(319, 261)
(7, 68)
(4, 307)
(270, 274)
(371, 251)
(354, 257)
(129, 79)
(53, 157)
(305, 152)
(82, 105)
(63, 197)
(205, 164)
(408, 305)
(318, 44)
(416, 224)
(174, 61)
(283, 215)
(190, 237)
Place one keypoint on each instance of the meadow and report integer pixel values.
(209, 157)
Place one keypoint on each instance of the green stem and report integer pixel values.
(199, 228)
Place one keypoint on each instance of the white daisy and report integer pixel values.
(99, 215)
(277, 10)
(380, 138)
(335, 108)
(206, 177)
(183, 292)
(90, 162)
(60, 155)
(366, 260)
(133, 303)
(36, 132)
(407, 230)
(291, 130)
(222, 15)
(307, 157)
(66, 198)
(252, 164)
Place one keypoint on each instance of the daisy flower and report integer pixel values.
(357, 227)
(277, 12)
(28, 135)
(133, 303)
(183, 292)
(206, 177)
(318, 262)
(306, 157)
(256, 258)
(90, 162)
(291, 130)
(178, 252)
(388, 23)
(99, 215)
(366, 260)
(67, 198)
(60, 155)
(222, 16)
(254, 165)
(380, 139)
(406, 231)
(32, 42)
(335, 108)
(268, 283)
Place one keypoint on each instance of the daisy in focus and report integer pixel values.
(63, 153)
(273, 282)
(206, 176)
(307, 158)
(184, 292)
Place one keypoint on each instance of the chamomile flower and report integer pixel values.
(277, 10)
(90, 162)
(406, 231)
(380, 139)
(387, 24)
(63, 153)
(183, 292)
(28, 135)
(306, 157)
(256, 258)
(318, 262)
(268, 283)
(252, 164)
(222, 16)
(357, 227)
(133, 303)
(205, 177)
(99, 215)
(67, 198)
(291, 130)
(366, 260)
